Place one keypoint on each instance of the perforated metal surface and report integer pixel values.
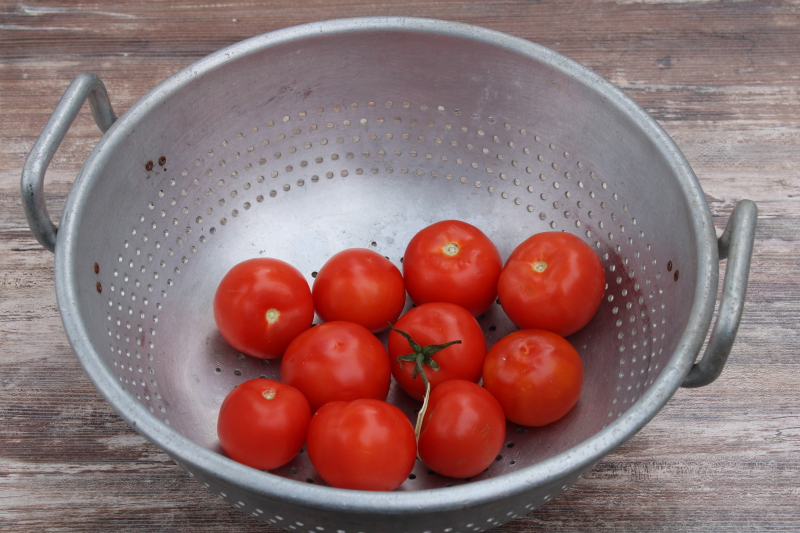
(228, 198)
(306, 142)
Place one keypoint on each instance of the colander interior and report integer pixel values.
(304, 147)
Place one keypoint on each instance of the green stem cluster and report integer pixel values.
(422, 355)
(420, 358)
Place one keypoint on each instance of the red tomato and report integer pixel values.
(261, 305)
(553, 281)
(262, 423)
(361, 286)
(462, 431)
(434, 324)
(337, 361)
(452, 261)
(536, 375)
(364, 444)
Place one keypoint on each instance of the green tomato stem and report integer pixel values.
(420, 358)
(422, 355)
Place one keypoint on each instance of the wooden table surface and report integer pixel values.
(723, 78)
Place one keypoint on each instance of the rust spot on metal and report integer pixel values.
(96, 268)
(669, 266)
(149, 166)
(676, 275)
(162, 161)
(99, 288)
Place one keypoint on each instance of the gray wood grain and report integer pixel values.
(723, 78)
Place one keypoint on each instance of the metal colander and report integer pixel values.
(358, 133)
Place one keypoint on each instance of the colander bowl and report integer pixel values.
(357, 133)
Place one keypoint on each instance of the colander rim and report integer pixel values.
(578, 458)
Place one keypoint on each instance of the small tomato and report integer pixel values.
(452, 261)
(430, 326)
(337, 361)
(554, 281)
(261, 305)
(262, 423)
(364, 444)
(536, 375)
(462, 430)
(361, 286)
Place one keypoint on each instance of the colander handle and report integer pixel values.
(735, 244)
(86, 86)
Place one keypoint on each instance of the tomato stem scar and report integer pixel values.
(540, 267)
(273, 315)
(269, 394)
(451, 249)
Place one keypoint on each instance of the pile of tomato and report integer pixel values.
(335, 376)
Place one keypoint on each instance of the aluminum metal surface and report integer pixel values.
(735, 244)
(84, 87)
(358, 133)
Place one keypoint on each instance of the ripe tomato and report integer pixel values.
(261, 305)
(452, 261)
(337, 361)
(364, 444)
(361, 286)
(262, 423)
(536, 375)
(435, 324)
(553, 281)
(462, 430)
